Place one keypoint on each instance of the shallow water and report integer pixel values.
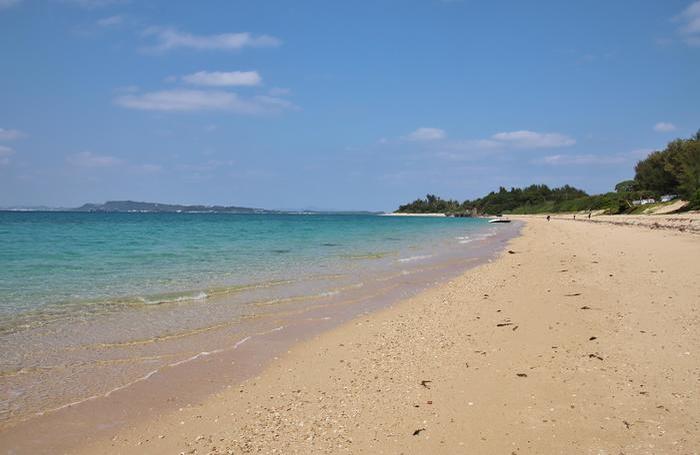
(90, 303)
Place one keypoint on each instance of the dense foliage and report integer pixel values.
(431, 204)
(674, 170)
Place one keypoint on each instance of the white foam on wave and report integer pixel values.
(415, 258)
(196, 356)
(150, 374)
(328, 293)
(180, 298)
(476, 237)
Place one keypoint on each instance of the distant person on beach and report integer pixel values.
(589, 215)
(574, 217)
(547, 217)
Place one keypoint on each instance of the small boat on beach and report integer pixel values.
(499, 220)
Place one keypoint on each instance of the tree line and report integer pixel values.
(672, 171)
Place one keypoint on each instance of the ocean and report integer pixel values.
(91, 302)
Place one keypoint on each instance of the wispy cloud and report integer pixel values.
(523, 139)
(690, 24)
(532, 139)
(558, 160)
(111, 21)
(426, 134)
(223, 79)
(593, 159)
(10, 135)
(5, 154)
(91, 160)
(202, 100)
(664, 127)
(92, 4)
(279, 91)
(168, 38)
(179, 100)
(147, 168)
(8, 3)
(207, 166)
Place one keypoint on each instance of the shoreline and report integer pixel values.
(205, 373)
(592, 348)
(435, 215)
(578, 338)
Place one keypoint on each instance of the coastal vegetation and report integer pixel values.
(674, 172)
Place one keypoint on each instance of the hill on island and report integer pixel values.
(133, 206)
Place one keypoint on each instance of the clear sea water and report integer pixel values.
(52, 260)
(90, 301)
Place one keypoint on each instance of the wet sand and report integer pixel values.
(225, 354)
(581, 338)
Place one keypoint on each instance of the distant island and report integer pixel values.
(660, 178)
(156, 207)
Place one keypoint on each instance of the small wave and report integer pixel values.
(415, 258)
(201, 354)
(328, 294)
(173, 299)
(377, 255)
(145, 377)
(295, 298)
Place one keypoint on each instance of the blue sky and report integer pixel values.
(338, 105)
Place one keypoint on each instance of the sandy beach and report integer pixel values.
(580, 338)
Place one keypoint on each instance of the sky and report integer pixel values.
(359, 105)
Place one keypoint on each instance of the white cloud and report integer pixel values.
(426, 134)
(470, 149)
(179, 100)
(8, 3)
(274, 103)
(664, 127)
(9, 135)
(5, 154)
(223, 79)
(556, 160)
(591, 159)
(89, 159)
(531, 139)
(202, 100)
(170, 38)
(690, 24)
(207, 166)
(111, 21)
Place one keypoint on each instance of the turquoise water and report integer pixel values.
(91, 303)
(54, 261)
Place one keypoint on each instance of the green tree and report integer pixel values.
(626, 186)
(676, 169)
(652, 174)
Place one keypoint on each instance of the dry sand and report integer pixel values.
(584, 339)
(684, 222)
